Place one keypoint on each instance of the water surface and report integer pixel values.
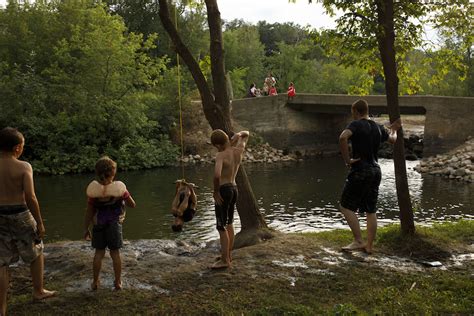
(294, 197)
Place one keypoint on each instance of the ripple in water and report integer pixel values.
(291, 199)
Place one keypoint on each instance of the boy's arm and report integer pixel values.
(130, 202)
(31, 200)
(87, 220)
(193, 198)
(217, 179)
(394, 127)
(344, 147)
(240, 139)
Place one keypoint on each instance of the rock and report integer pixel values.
(459, 172)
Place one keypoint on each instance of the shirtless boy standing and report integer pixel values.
(21, 225)
(225, 189)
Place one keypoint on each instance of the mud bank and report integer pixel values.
(302, 274)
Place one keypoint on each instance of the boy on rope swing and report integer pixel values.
(228, 160)
(184, 204)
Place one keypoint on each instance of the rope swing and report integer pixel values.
(184, 203)
(178, 69)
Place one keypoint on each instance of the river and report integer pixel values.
(294, 197)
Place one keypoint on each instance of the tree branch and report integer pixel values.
(212, 114)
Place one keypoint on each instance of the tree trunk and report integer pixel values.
(217, 56)
(213, 114)
(217, 111)
(386, 43)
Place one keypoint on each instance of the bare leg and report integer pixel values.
(117, 262)
(4, 284)
(224, 240)
(96, 266)
(371, 231)
(353, 222)
(37, 270)
(230, 234)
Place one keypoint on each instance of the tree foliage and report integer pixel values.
(452, 62)
(77, 84)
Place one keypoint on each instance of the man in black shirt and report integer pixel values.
(362, 183)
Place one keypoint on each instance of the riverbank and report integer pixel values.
(302, 274)
(458, 164)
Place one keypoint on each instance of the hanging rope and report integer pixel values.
(179, 100)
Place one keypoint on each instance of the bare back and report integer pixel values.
(12, 178)
(231, 159)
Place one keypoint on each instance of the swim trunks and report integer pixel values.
(225, 211)
(18, 235)
(361, 189)
(107, 236)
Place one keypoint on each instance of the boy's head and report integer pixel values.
(105, 169)
(219, 139)
(360, 108)
(11, 140)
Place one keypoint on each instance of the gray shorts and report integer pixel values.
(18, 238)
(107, 236)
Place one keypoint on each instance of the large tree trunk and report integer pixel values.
(216, 108)
(251, 219)
(386, 43)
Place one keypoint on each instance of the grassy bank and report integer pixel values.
(264, 282)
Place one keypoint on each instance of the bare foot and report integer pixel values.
(353, 246)
(219, 258)
(117, 286)
(220, 265)
(95, 286)
(44, 295)
(368, 250)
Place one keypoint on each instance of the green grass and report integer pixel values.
(350, 289)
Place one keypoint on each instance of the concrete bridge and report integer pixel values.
(314, 122)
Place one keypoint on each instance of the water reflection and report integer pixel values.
(293, 197)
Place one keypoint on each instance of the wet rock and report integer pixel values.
(456, 164)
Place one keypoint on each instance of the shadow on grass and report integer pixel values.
(417, 246)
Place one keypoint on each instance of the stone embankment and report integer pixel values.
(458, 164)
(262, 153)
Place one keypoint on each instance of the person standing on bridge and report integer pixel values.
(362, 184)
(291, 91)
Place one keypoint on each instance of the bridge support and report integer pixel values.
(314, 122)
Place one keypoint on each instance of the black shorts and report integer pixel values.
(361, 189)
(225, 211)
(107, 236)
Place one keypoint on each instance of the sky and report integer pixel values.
(280, 11)
(272, 11)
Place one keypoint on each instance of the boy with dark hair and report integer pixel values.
(228, 160)
(21, 224)
(106, 209)
(362, 183)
